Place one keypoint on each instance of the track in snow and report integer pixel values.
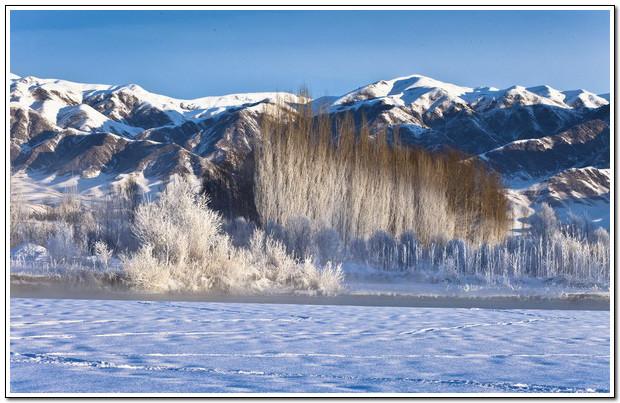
(134, 346)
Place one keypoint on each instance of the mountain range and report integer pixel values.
(548, 145)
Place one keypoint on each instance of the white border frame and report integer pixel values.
(316, 5)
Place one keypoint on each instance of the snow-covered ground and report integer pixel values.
(70, 345)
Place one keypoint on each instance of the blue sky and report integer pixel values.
(197, 53)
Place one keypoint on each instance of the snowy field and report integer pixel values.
(65, 345)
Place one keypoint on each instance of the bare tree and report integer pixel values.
(359, 182)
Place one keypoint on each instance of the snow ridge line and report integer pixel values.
(470, 325)
(503, 386)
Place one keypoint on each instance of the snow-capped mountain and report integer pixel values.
(434, 114)
(423, 93)
(63, 129)
(101, 134)
(130, 104)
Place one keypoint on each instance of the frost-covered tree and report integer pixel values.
(62, 245)
(328, 245)
(103, 253)
(240, 231)
(358, 250)
(544, 223)
(299, 237)
(382, 249)
(408, 249)
(183, 248)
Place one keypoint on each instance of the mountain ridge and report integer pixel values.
(61, 128)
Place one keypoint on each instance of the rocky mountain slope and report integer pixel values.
(549, 145)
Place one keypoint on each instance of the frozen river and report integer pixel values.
(72, 345)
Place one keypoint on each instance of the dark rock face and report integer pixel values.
(585, 144)
(182, 135)
(231, 189)
(128, 108)
(469, 131)
(575, 185)
(28, 128)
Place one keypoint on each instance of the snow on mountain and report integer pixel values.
(487, 98)
(321, 104)
(115, 102)
(407, 89)
(577, 183)
(582, 145)
(49, 96)
(548, 92)
(584, 99)
(104, 133)
(422, 92)
(87, 119)
(576, 191)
